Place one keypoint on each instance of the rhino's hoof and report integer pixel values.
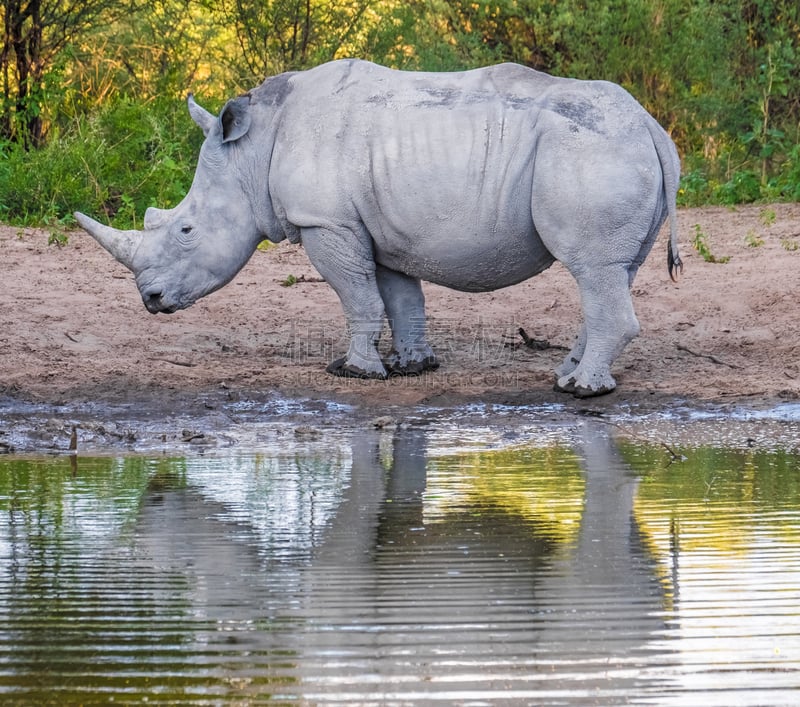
(568, 387)
(579, 391)
(412, 368)
(340, 368)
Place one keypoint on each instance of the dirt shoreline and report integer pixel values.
(76, 337)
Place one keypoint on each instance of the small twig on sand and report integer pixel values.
(710, 357)
(186, 364)
(537, 344)
(292, 280)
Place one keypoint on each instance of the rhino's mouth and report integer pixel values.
(154, 308)
(156, 303)
(167, 310)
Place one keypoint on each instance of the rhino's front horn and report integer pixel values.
(121, 244)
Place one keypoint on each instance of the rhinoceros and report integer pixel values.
(474, 180)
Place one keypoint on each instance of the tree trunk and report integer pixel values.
(22, 83)
(5, 56)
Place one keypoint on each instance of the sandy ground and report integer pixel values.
(73, 330)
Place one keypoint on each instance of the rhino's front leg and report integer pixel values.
(405, 307)
(345, 260)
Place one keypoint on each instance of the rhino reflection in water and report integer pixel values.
(475, 180)
(379, 591)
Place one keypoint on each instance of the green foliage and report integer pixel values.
(282, 35)
(767, 216)
(744, 187)
(695, 189)
(753, 240)
(57, 238)
(99, 124)
(700, 243)
(125, 157)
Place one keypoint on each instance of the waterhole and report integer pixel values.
(408, 565)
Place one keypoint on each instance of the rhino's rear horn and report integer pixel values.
(200, 115)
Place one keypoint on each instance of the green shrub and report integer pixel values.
(695, 189)
(114, 163)
(785, 185)
(743, 187)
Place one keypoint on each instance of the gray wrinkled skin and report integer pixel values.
(474, 180)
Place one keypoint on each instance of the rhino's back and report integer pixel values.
(361, 92)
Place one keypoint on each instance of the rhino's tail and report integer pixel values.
(670, 170)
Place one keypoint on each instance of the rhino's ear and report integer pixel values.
(200, 115)
(235, 118)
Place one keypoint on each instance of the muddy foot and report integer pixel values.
(340, 368)
(580, 391)
(412, 368)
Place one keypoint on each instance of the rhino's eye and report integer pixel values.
(188, 236)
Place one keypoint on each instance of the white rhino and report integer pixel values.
(474, 180)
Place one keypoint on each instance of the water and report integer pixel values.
(404, 567)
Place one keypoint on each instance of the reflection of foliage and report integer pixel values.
(45, 491)
(64, 512)
(543, 486)
(61, 604)
(717, 499)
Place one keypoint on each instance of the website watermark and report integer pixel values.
(433, 380)
(482, 353)
(482, 341)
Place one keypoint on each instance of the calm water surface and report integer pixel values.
(403, 568)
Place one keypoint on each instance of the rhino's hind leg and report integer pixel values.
(405, 307)
(609, 324)
(347, 264)
(573, 358)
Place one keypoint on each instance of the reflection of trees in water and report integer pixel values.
(286, 500)
(723, 527)
(718, 500)
(543, 485)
